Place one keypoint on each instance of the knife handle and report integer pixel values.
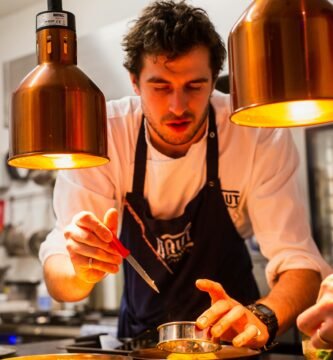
(120, 247)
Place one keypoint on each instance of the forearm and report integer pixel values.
(61, 280)
(294, 292)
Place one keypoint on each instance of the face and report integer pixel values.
(175, 98)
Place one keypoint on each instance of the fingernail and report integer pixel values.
(202, 321)
(238, 341)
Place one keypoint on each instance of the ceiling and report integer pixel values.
(10, 6)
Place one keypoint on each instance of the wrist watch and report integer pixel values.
(268, 317)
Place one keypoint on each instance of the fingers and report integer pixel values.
(319, 316)
(310, 320)
(326, 288)
(87, 229)
(90, 222)
(226, 322)
(89, 271)
(210, 316)
(251, 332)
(214, 289)
(85, 236)
(93, 252)
(224, 316)
(229, 320)
(323, 337)
(88, 238)
(111, 219)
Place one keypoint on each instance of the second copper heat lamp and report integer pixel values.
(281, 64)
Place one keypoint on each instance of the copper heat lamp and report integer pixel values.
(58, 114)
(281, 64)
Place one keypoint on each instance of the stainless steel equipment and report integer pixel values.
(319, 146)
(30, 326)
(185, 337)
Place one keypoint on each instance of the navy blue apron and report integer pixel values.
(201, 243)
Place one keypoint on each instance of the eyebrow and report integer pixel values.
(156, 79)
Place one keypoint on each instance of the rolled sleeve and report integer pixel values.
(55, 243)
(291, 255)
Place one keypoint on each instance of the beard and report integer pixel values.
(172, 138)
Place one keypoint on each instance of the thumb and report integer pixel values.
(111, 219)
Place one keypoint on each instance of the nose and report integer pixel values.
(178, 102)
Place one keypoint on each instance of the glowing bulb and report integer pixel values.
(303, 110)
(61, 161)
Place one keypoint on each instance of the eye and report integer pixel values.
(161, 87)
(194, 86)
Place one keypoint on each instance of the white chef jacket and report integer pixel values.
(257, 170)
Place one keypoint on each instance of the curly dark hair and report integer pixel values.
(172, 29)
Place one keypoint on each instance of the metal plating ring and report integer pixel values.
(90, 263)
(323, 341)
(250, 328)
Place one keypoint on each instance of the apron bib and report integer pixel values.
(201, 243)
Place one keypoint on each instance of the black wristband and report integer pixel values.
(268, 317)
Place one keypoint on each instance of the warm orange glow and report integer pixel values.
(199, 356)
(57, 161)
(285, 114)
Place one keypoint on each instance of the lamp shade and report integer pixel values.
(281, 64)
(58, 117)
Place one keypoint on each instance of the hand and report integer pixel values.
(229, 320)
(317, 321)
(89, 243)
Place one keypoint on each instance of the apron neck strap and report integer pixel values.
(212, 147)
(140, 161)
(141, 154)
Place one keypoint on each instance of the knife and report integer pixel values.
(126, 254)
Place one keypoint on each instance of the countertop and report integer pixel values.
(58, 346)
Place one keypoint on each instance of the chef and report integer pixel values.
(186, 187)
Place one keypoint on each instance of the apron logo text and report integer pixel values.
(172, 247)
(231, 198)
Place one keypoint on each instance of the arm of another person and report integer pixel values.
(317, 321)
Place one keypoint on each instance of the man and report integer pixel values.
(317, 321)
(188, 186)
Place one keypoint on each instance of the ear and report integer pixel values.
(135, 83)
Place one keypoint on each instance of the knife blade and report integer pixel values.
(126, 254)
